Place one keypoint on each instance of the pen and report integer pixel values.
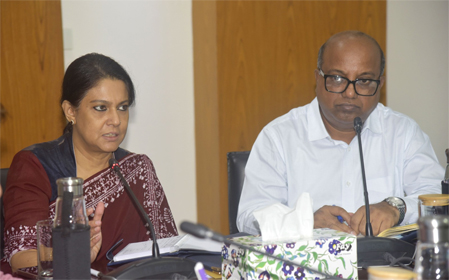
(341, 220)
(199, 271)
(94, 272)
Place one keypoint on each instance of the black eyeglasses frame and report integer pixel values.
(349, 82)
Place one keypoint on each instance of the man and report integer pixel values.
(314, 149)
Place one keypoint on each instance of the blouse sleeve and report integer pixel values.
(26, 201)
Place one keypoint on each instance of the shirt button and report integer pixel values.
(349, 149)
(348, 183)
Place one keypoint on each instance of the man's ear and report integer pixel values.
(69, 111)
(317, 75)
(382, 81)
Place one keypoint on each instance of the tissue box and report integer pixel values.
(329, 251)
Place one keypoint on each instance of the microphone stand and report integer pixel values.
(203, 232)
(358, 129)
(155, 267)
(371, 250)
(149, 225)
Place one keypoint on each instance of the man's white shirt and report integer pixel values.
(295, 154)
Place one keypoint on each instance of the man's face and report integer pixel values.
(353, 58)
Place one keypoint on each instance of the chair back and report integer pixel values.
(3, 175)
(236, 175)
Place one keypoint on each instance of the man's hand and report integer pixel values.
(326, 217)
(382, 215)
(96, 237)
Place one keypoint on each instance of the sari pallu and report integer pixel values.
(121, 219)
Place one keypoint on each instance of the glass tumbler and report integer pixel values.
(432, 256)
(45, 249)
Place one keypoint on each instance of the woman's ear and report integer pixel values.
(69, 111)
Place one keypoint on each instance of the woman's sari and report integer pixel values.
(30, 197)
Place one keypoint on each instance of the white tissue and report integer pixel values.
(278, 222)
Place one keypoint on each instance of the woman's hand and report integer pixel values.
(95, 230)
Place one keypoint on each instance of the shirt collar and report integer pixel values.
(315, 124)
(373, 122)
(318, 131)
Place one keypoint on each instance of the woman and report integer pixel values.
(96, 95)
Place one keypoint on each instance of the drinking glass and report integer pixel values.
(45, 249)
(432, 256)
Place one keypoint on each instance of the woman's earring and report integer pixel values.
(73, 122)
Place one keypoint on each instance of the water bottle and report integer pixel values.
(432, 256)
(71, 232)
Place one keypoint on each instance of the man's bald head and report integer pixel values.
(348, 35)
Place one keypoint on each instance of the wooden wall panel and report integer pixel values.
(32, 68)
(206, 108)
(266, 52)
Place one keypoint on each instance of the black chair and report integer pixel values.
(3, 175)
(236, 175)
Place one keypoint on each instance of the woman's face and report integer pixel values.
(101, 119)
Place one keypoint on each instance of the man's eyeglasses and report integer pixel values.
(338, 84)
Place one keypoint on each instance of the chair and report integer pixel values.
(3, 175)
(236, 175)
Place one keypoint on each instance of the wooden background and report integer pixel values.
(253, 62)
(32, 68)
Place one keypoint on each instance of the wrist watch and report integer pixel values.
(399, 204)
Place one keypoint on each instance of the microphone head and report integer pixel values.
(358, 124)
(201, 231)
(196, 230)
(113, 163)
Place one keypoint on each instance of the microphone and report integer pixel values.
(371, 250)
(358, 129)
(203, 232)
(155, 267)
(445, 182)
(149, 225)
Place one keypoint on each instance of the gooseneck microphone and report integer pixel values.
(149, 225)
(358, 129)
(203, 232)
(155, 267)
(371, 250)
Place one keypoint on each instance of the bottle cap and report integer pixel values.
(70, 184)
(433, 229)
(382, 272)
(434, 199)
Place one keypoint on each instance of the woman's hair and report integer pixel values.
(86, 72)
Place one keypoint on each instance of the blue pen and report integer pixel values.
(341, 220)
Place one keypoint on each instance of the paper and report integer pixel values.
(190, 242)
(166, 245)
(398, 230)
(279, 222)
(145, 248)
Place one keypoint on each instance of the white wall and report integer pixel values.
(153, 41)
(417, 66)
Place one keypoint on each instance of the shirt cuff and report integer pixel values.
(411, 215)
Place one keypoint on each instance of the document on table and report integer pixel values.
(167, 245)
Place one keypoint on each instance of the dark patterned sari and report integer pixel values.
(31, 194)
